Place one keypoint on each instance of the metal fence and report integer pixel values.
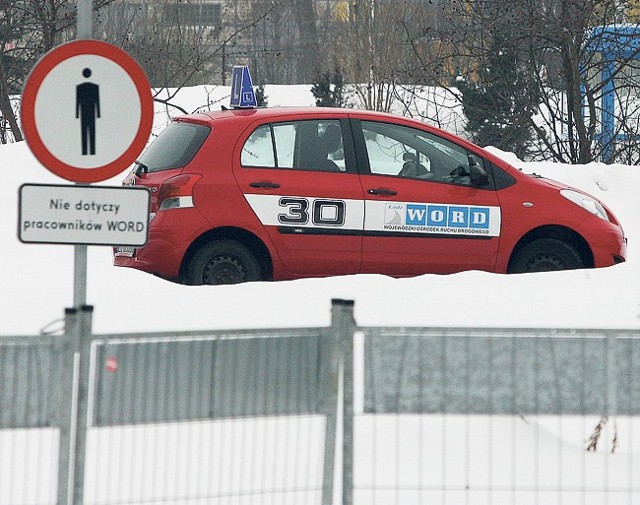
(320, 415)
(193, 417)
(498, 416)
(502, 371)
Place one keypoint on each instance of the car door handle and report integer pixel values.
(264, 184)
(382, 191)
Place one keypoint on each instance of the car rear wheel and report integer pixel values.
(223, 262)
(546, 255)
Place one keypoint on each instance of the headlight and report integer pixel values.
(586, 202)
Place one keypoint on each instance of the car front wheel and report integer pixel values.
(223, 262)
(546, 255)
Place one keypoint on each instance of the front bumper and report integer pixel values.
(606, 240)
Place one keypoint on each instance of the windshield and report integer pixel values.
(175, 146)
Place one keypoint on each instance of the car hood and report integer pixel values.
(551, 182)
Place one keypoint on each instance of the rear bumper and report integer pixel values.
(171, 233)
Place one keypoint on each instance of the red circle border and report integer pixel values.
(32, 87)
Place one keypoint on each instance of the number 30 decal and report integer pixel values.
(323, 212)
(297, 212)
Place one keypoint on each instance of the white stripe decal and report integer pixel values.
(376, 216)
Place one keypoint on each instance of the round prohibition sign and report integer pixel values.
(87, 111)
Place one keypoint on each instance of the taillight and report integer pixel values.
(177, 192)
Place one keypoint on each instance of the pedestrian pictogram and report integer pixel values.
(87, 111)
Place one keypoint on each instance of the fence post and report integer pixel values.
(612, 378)
(343, 327)
(65, 408)
(73, 411)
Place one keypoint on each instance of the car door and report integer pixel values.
(424, 214)
(299, 178)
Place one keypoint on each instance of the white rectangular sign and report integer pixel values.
(90, 215)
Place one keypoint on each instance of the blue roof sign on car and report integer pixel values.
(242, 93)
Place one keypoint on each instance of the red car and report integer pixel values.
(284, 193)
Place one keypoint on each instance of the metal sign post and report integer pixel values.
(72, 478)
(84, 20)
(85, 84)
(79, 276)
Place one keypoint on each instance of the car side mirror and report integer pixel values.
(477, 173)
(140, 169)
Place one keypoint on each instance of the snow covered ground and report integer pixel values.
(477, 451)
(39, 278)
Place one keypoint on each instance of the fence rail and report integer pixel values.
(502, 371)
(30, 382)
(427, 415)
(209, 376)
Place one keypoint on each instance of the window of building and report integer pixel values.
(196, 14)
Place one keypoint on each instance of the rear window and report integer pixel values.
(175, 146)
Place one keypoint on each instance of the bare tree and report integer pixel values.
(28, 29)
(537, 66)
(553, 82)
(307, 25)
(171, 39)
(12, 65)
(272, 41)
(180, 43)
(377, 48)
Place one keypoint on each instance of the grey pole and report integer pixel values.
(347, 330)
(330, 409)
(612, 379)
(82, 337)
(66, 411)
(84, 30)
(84, 20)
(73, 422)
(343, 328)
(82, 349)
(79, 276)
(77, 345)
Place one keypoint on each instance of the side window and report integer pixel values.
(298, 145)
(407, 152)
(501, 179)
(319, 146)
(258, 149)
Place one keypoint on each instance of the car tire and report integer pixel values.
(546, 255)
(223, 262)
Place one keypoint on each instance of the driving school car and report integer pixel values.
(285, 193)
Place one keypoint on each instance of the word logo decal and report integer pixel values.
(439, 218)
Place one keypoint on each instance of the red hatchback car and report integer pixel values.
(284, 193)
